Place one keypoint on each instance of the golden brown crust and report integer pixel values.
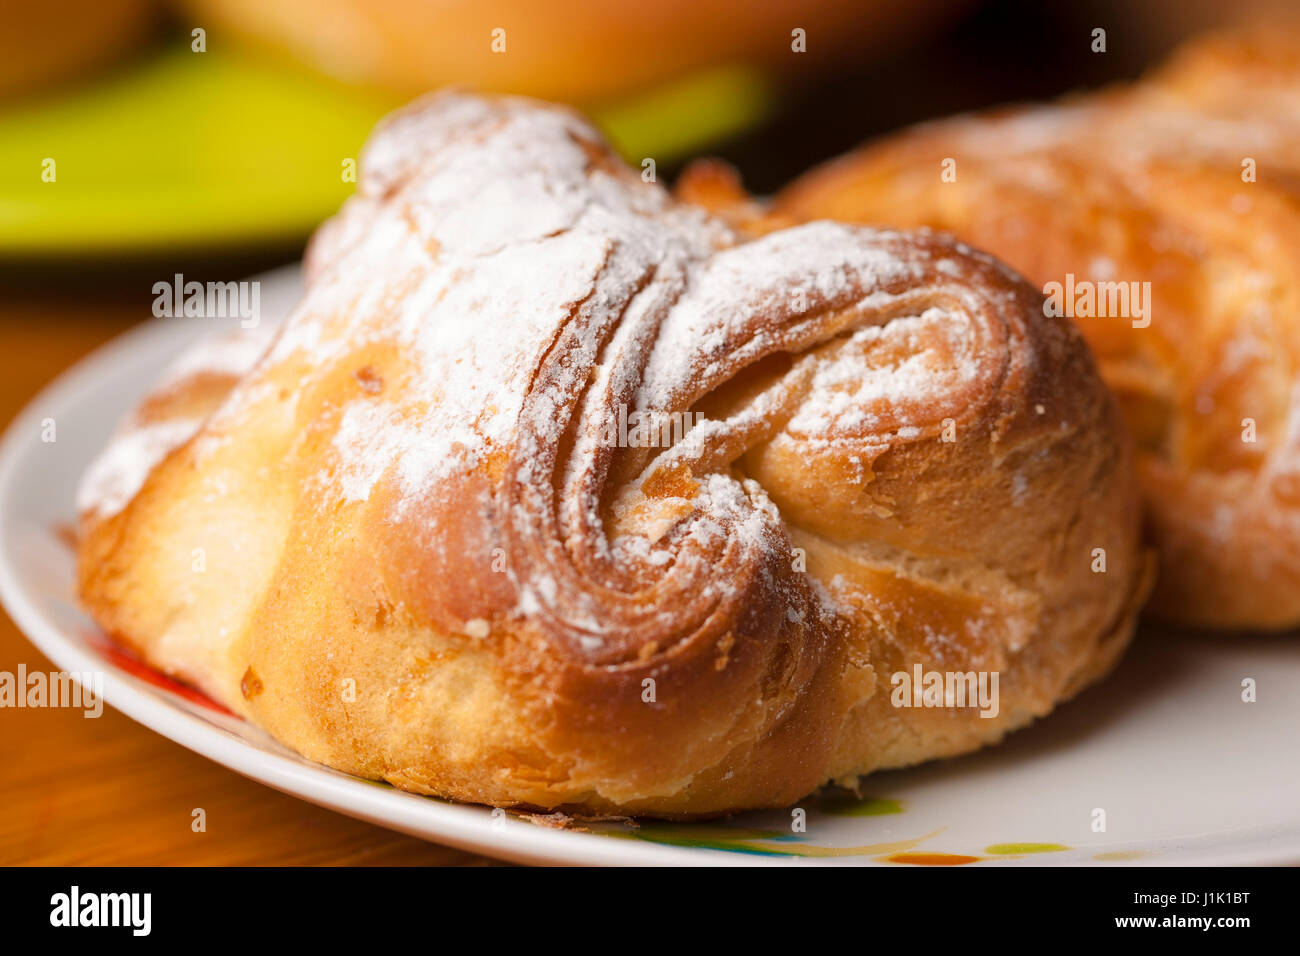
(1145, 184)
(439, 549)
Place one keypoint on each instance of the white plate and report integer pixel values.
(1185, 771)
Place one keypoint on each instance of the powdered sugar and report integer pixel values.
(499, 233)
(481, 227)
(230, 353)
(516, 284)
(848, 393)
(120, 471)
(118, 474)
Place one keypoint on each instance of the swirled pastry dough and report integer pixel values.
(557, 491)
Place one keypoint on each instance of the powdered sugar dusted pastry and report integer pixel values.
(556, 491)
(1173, 204)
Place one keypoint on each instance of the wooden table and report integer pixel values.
(109, 791)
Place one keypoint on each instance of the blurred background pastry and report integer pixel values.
(583, 51)
(1182, 192)
(59, 41)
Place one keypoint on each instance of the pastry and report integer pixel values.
(557, 492)
(590, 51)
(1181, 192)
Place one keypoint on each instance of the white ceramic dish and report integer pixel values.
(1185, 771)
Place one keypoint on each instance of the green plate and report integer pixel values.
(226, 148)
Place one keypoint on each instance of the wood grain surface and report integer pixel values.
(108, 791)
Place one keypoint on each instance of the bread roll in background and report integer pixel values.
(49, 42)
(581, 51)
(1188, 182)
